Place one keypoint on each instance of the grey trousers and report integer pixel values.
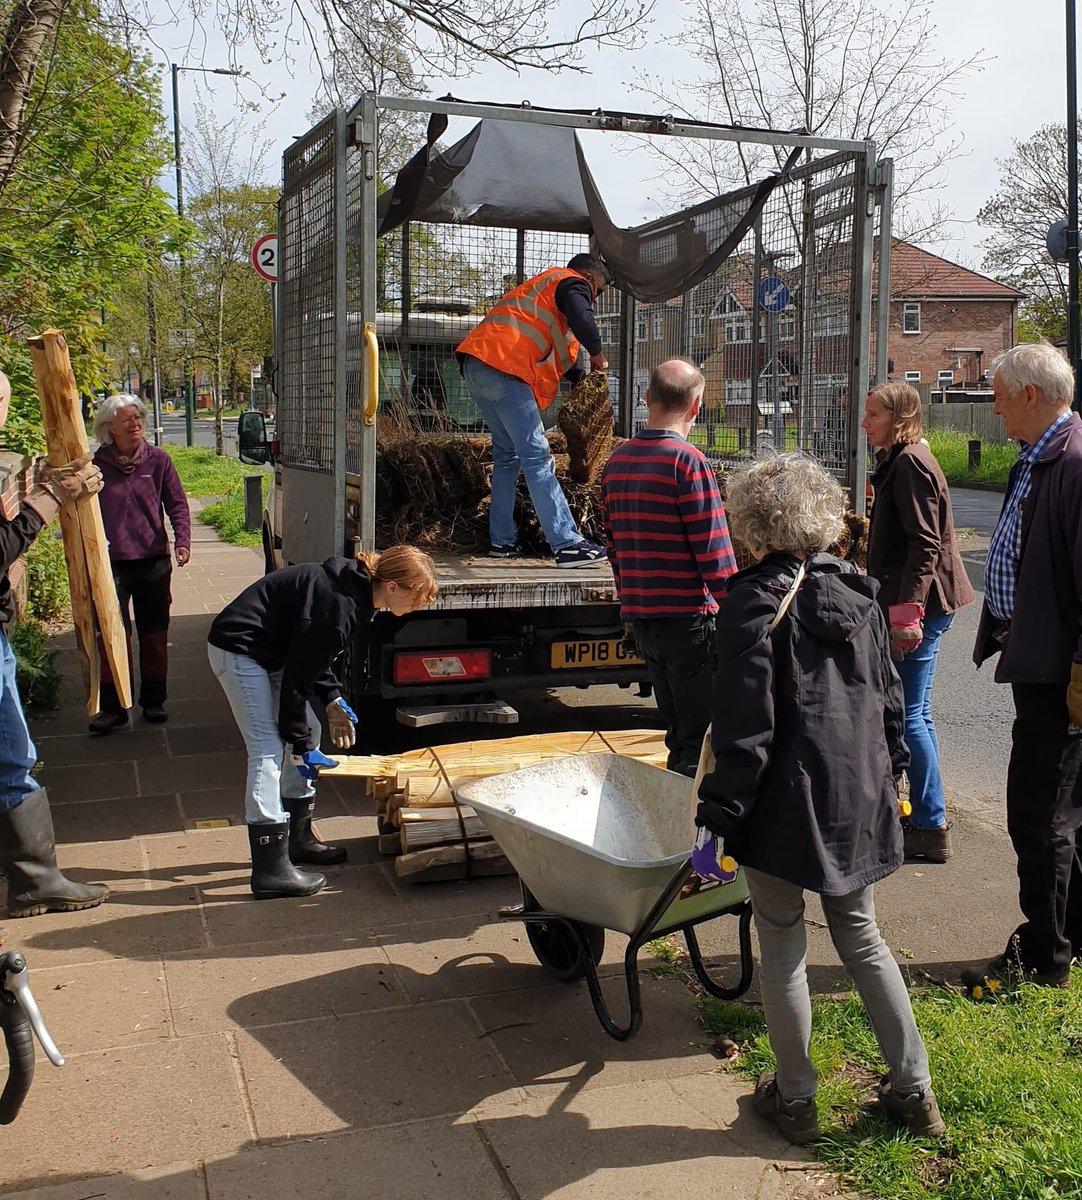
(779, 920)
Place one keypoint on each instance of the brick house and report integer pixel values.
(947, 323)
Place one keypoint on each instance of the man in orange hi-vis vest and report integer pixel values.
(513, 362)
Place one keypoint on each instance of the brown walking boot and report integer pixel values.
(916, 1110)
(934, 845)
(795, 1119)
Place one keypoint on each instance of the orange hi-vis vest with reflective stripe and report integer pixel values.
(526, 335)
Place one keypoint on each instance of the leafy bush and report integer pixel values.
(48, 595)
(35, 667)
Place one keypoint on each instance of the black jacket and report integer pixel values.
(807, 728)
(297, 621)
(16, 536)
(1046, 630)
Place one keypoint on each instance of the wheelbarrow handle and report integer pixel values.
(21, 1020)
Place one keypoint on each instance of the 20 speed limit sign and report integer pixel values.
(264, 257)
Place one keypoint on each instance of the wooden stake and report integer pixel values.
(93, 593)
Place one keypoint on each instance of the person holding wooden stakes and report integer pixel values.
(141, 487)
(272, 650)
(27, 847)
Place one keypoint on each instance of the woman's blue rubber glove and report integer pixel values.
(708, 860)
(311, 762)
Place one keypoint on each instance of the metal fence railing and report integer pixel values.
(308, 237)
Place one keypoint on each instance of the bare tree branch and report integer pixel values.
(1032, 193)
(862, 69)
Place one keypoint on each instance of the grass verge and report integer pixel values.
(1007, 1075)
(952, 453)
(205, 475)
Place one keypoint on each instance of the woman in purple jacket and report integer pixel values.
(141, 486)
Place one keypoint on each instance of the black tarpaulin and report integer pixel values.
(520, 176)
(503, 173)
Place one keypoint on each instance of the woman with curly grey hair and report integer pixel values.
(806, 734)
(141, 487)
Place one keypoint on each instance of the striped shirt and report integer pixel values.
(665, 527)
(1005, 545)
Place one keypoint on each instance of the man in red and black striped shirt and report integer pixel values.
(669, 546)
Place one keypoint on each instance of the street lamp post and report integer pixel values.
(189, 382)
(1074, 332)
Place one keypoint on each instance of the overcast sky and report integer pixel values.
(1021, 87)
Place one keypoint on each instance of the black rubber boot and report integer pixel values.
(28, 856)
(272, 872)
(304, 845)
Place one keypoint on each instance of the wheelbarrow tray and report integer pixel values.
(597, 838)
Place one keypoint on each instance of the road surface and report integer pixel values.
(173, 431)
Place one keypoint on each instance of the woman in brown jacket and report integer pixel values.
(922, 583)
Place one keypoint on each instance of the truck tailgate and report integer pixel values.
(475, 581)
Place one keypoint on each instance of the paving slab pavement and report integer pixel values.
(376, 1040)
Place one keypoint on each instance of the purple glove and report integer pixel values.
(708, 861)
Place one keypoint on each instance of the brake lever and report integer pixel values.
(13, 965)
(21, 1021)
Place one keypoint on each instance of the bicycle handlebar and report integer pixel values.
(21, 1020)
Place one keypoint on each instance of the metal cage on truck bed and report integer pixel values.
(769, 288)
(784, 329)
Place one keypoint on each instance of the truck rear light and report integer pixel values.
(433, 667)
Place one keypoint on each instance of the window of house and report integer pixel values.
(608, 326)
(696, 324)
(738, 391)
(944, 378)
(830, 318)
(910, 317)
(657, 327)
(640, 326)
(912, 377)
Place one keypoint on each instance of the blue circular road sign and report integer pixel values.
(773, 294)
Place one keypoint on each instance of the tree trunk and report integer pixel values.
(31, 24)
(219, 438)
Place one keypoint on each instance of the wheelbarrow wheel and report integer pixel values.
(559, 951)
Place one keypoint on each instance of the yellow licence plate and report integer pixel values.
(592, 652)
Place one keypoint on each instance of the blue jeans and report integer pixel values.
(518, 443)
(917, 671)
(18, 756)
(254, 694)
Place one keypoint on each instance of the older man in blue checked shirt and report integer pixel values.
(1033, 617)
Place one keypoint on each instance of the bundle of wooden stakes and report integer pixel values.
(95, 608)
(420, 820)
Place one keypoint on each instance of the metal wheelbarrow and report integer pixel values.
(602, 842)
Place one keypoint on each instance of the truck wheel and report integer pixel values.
(559, 952)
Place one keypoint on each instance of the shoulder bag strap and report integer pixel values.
(788, 598)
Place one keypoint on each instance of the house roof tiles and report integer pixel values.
(918, 274)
